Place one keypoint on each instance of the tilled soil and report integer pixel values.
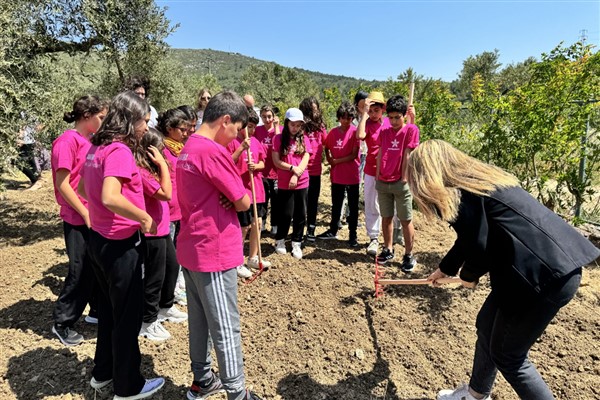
(311, 328)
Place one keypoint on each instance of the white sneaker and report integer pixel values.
(154, 331)
(461, 393)
(243, 272)
(100, 386)
(273, 230)
(150, 387)
(172, 314)
(297, 250)
(253, 263)
(90, 320)
(280, 247)
(373, 247)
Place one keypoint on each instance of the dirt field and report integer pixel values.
(311, 328)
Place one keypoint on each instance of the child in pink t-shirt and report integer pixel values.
(265, 134)
(315, 131)
(341, 149)
(395, 143)
(111, 182)
(239, 150)
(291, 151)
(156, 182)
(68, 155)
(210, 247)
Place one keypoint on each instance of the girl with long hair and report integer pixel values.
(112, 185)
(533, 257)
(315, 132)
(291, 151)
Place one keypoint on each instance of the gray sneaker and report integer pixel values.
(100, 386)
(408, 263)
(67, 336)
(200, 391)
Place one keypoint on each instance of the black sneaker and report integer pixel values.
(353, 242)
(200, 391)
(310, 234)
(67, 336)
(385, 256)
(408, 263)
(327, 235)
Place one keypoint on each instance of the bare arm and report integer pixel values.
(346, 159)
(166, 190)
(404, 164)
(113, 199)
(63, 186)
(242, 204)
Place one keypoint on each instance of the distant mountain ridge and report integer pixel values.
(228, 67)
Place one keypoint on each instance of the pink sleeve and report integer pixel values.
(149, 182)
(223, 174)
(64, 153)
(119, 162)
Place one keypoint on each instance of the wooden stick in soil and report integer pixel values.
(254, 209)
(442, 281)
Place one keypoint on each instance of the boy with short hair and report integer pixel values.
(395, 144)
(210, 248)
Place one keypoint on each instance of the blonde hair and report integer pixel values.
(438, 172)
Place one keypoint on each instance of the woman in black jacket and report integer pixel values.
(534, 259)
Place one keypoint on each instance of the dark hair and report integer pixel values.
(313, 120)
(252, 116)
(85, 106)
(396, 104)
(286, 139)
(226, 103)
(134, 82)
(360, 95)
(125, 110)
(151, 138)
(189, 112)
(346, 109)
(172, 118)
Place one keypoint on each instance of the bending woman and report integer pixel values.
(534, 259)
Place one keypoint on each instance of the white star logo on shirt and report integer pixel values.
(395, 143)
(339, 142)
(267, 140)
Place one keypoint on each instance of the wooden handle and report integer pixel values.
(411, 93)
(254, 209)
(423, 281)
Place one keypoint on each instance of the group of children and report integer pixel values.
(138, 202)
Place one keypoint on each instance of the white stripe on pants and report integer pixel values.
(372, 216)
(213, 313)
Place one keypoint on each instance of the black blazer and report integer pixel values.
(521, 243)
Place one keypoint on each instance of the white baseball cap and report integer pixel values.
(294, 114)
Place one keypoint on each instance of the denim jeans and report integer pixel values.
(505, 335)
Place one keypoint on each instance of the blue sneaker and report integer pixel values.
(152, 386)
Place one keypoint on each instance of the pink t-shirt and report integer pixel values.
(372, 130)
(258, 154)
(68, 152)
(210, 238)
(283, 177)
(392, 145)
(114, 159)
(315, 162)
(342, 144)
(157, 209)
(266, 139)
(174, 210)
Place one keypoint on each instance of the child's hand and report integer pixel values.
(276, 121)
(410, 114)
(368, 104)
(225, 202)
(246, 143)
(293, 182)
(86, 219)
(251, 166)
(148, 225)
(156, 156)
(297, 171)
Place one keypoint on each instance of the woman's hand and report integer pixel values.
(437, 274)
(293, 182)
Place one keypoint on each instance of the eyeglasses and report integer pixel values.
(205, 98)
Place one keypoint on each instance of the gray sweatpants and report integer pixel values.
(213, 313)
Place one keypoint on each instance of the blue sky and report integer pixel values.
(380, 39)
